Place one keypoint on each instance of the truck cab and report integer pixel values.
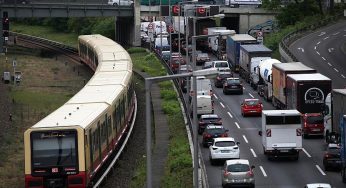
(312, 124)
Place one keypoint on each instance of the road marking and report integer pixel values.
(329, 64)
(245, 139)
(336, 70)
(330, 50)
(315, 47)
(230, 115)
(215, 96)
(318, 42)
(323, 58)
(302, 49)
(306, 153)
(344, 35)
(343, 76)
(263, 172)
(325, 38)
(251, 95)
(253, 152)
(318, 52)
(322, 33)
(319, 168)
(336, 33)
(237, 125)
(223, 106)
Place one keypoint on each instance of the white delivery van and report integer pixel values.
(204, 105)
(159, 27)
(158, 42)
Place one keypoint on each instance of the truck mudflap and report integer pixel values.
(292, 153)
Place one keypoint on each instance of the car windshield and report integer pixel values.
(210, 119)
(224, 143)
(215, 130)
(203, 55)
(56, 148)
(315, 120)
(238, 168)
(334, 150)
(225, 75)
(252, 102)
(221, 64)
(233, 81)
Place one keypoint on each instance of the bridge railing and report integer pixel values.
(294, 35)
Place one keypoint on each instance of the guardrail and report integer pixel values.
(293, 36)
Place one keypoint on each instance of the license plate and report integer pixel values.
(315, 129)
(284, 150)
(239, 181)
(234, 87)
(225, 151)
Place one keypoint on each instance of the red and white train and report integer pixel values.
(68, 147)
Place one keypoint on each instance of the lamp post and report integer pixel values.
(148, 82)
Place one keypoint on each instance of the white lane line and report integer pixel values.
(237, 125)
(318, 42)
(344, 35)
(215, 96)
(223, 106)
(253, 152)
(251, 95)
(323, 58)
(336, 70)
(306, 153)
(325, 38)
(315, 47)
(263, 172)
(329, 64)
(343, 76)
(336, 33)
(319, 169)
(230, 115)
(245, 139)
(318, 52)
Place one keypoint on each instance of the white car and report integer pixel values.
(223, 148)
(221, 66)
(238, 172)
(120, 2)
(318, 185)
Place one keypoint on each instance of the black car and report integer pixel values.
(332, 158)
(213, 131)
(232, 85)
(206, 119)
(221, 78)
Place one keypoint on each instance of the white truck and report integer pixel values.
(217, 44)
(254, 75)
(264, 84)
(6, 77)
(204, 105)
(159, 27)
(211, 31)
(281, 133)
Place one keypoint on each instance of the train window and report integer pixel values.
(96, 61)
(54, 148)
(103, 132)
(109, 125)
(114, 120)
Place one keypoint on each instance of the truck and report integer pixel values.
(262, 78)
(279, 80)
(247, 62)
(159, 27)
(281, 133)
(217, 44)
(6, 77)
(343, 147)
(233, 48)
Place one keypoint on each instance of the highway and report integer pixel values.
(284, 173)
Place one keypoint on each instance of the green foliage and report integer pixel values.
(136, 50)
(271, 4)
(166, 85)
(105, 27)
(170, 107)
(168, 94)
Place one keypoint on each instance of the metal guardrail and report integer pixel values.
(293, 36)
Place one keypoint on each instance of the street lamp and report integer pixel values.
(148, 82)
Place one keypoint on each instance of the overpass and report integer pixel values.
(127, 18)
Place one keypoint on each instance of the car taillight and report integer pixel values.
(201, 122)
(305, 124)
(249, 173)
(226, 173)
(218, 78)
(208, 135)
(326, 155)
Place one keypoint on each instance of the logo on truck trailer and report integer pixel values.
(314, 96)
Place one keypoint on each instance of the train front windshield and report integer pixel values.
(57, 148)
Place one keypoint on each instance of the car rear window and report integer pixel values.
(226, 75)
(224, 143)
(238, 168)
(252, 102)
(210, 119)
(233, 81)
(216, 130)
(315, 120)
(221, 64)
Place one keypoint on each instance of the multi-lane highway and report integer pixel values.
(317, 50)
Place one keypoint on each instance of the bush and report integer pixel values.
(136, 50)
(170, 107)
(168, 94)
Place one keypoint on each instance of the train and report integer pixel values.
(68, 147)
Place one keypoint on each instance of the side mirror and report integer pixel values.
(260, 133)
(238, 143)
(252, 167)
(226, 130)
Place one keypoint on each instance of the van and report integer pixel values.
(312, 124)
(203, 86)
(205, 105)
(120, 2)
(6, 77)
(158, 42)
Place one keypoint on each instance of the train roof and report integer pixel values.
(72, 115)
(308, 77)
(242, 37)
(255, 48)
(293, 66)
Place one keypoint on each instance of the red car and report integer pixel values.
(313, 124)
(251, 106)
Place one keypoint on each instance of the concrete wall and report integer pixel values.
(247, 21)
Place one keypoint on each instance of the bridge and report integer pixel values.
(240, 19)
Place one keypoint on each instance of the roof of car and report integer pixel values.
(223, 139)
(212, 126)
(232, 78)
(209, 116)
(318, 185)
(251, 99)
(237, 161)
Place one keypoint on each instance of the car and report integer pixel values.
(238, 172)
(174, 65)
(183, 80)
(223, 148)
(251, 107)
(213, 131)
(318, 185)
(206, 119)
(221, 78)
(232, 85)
(166, 55)
(221, 65)
(201, 58)
(207, 65)
(332, 159)
(313, 124)
(120, 2)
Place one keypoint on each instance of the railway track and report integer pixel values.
(72, 54)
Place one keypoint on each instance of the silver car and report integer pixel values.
(238, 172)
